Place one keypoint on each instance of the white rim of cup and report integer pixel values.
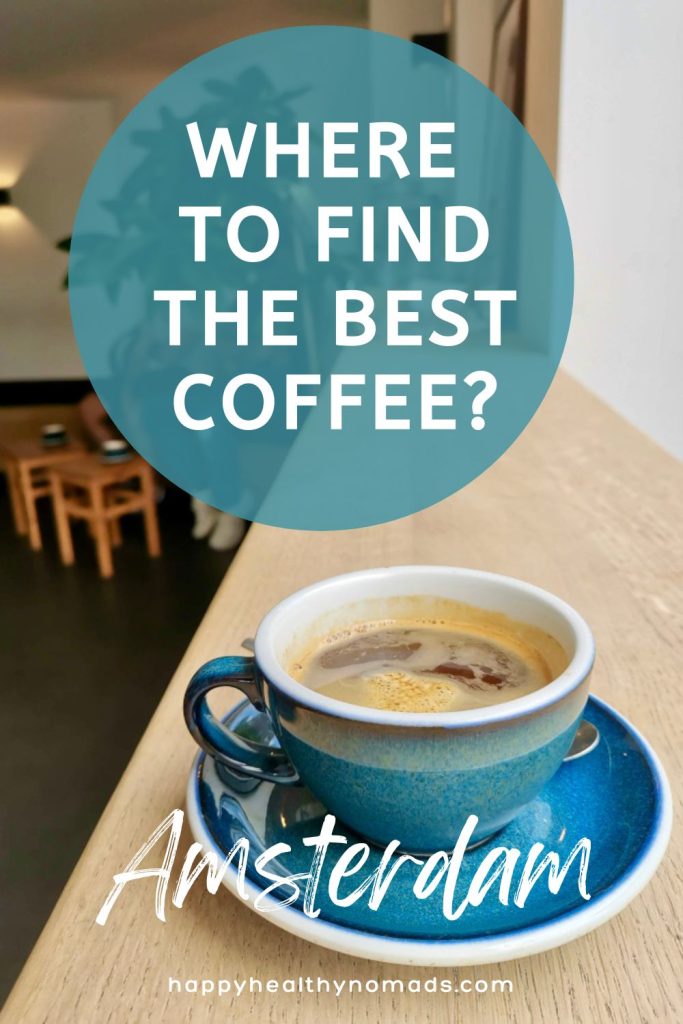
(575, 673)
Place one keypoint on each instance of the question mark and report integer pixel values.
(490, 387)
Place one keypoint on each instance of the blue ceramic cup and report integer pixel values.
(414, 777)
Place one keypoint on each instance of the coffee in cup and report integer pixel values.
(464, 659)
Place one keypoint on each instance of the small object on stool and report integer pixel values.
(116, 450)
(88, 489)
(54, 435)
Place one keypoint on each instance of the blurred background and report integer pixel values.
(599, 87)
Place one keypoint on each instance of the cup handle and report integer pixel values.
(269, 764)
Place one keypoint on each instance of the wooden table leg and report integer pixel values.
(16, 500)
(100, 526)
(150, 513)
(29, 501)
(115, 532)
(62, 525)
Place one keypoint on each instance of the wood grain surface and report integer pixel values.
(582, 505)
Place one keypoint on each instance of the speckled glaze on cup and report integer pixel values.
(415, 777)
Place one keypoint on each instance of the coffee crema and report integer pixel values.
(431, 665)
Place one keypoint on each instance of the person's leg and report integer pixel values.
(205, 518)
(227, 533)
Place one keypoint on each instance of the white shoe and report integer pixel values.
(205, 519)
(227, 533)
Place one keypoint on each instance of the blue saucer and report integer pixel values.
(617, 796)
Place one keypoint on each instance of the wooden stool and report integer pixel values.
(27, 465)
(101, 493)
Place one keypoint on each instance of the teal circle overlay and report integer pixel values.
(129, 242)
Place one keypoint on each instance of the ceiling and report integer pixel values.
(102, 48)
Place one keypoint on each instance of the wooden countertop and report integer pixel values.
(583, 505)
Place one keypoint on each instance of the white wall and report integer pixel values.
(620, 172)
(47, 149)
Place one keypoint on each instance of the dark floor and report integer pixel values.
(83, 663)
